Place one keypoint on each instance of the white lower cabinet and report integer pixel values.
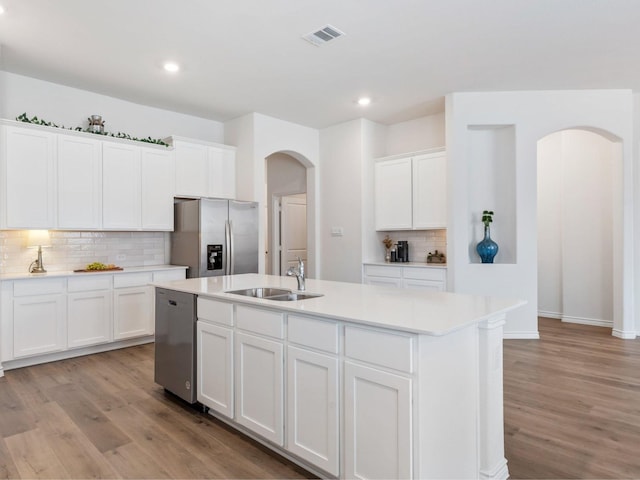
(39, 325)
(312, 408)
(215, 367)
(259, 386)
(425, 278)
(377, 422)
(132, 312)
(88, 318)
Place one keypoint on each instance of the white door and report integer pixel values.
(89, 318)
(79, 183)
(30, 178)
(120, 187)
(215, 368)
(293, 227)
(132, 312)
(158, 186)
(377, 422)
(259, 386)
(312, 408)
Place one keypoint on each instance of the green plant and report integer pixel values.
(487, 217)
(38, 121)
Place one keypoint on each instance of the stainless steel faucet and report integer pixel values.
(298, 273)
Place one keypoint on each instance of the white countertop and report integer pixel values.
(67, 273)
(430, 313)
(407, 264)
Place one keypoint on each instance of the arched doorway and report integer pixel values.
(285, 212)
(580, 235)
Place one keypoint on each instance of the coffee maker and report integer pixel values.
(402, 251)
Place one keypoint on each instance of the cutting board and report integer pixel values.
(101, 270)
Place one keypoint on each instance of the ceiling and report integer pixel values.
(242, 56)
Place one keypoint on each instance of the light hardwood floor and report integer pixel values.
(572, 410)
(572, 404)
(102, 416)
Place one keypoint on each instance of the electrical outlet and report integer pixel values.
(121, 257)
(337, 231)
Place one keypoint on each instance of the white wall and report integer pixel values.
(70, 107)
(420, 134)
(341, 194)
(575, 226)
(258, 136)
(533, 116)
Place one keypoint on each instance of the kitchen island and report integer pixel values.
(363, 381)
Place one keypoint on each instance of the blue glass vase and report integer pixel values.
(487, 248)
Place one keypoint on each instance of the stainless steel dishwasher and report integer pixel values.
(175, 362)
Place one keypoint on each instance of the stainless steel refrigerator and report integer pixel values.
(215, 237)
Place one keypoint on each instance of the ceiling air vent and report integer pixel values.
(324, 35)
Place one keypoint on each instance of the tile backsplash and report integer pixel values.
(420, 243)
(74, 250)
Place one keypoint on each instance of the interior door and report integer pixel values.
(293, 226)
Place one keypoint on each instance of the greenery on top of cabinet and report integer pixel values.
(38, 121)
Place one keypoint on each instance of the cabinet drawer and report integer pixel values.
(131, 280)
(260, 321)
(89, 283)
(22, 288)
(425, 273)
(215, 311)
(168, 275)
(379, 348)
(382, 271)
(313, 333)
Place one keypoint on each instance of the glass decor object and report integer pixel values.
(487, 248)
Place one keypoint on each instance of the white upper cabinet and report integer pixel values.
(28, 176)
(157, 189)
(222, 172)
(393, 194)
(410, 192)
(79, 183)
(204, 169)
(121, 187)
(430, 190)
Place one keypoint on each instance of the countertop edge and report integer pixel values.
(66, 273)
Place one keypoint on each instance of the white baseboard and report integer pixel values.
(521, 335)
(625, 335)
(545, 314)
(588, 321)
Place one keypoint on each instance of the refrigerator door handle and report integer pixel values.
(227, 248)
(232, 253)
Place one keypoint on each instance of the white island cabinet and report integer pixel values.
(361, 382)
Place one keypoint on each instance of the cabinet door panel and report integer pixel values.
(429, 191)
(38, 325)
(79, 183)
(377, 423)
(121, 187)
(192, 169)
(222, 165)
(393, 194)
(312, 408)
(215, 368)
(133, 312)
(158, 185)
(30, 173)
(259, 386)
(88, 318)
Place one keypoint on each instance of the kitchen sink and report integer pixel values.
(278, 294)
(261, 292)
(293, 296)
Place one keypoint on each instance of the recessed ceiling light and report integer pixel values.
(364, 101)
(171, 67)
